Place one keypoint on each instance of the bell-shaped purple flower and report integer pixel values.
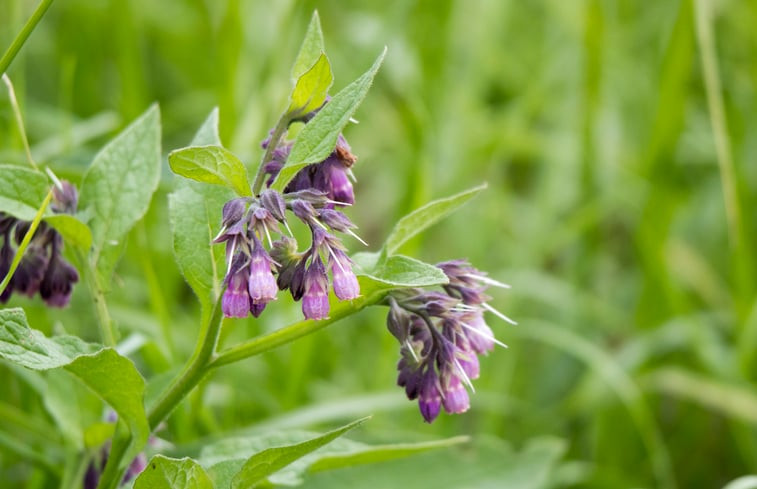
(468, 361)
(429, 396)
(262, 283)
(345, 282)
(315, 301)
(236, 299)
(58, 282)
(31, 270)
(479, 334)
(331, 177)
(455, 399)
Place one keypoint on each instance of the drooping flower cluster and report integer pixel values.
(441, 335)
(42, 268)
(257, 272)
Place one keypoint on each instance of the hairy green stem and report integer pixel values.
(22, 36)
(278, 133)
(25, 242)
(96, 290)
(114, 471)
(290, 333)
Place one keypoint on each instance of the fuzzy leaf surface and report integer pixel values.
(212, 164)
(171, 473)
(312, 87)
(312, 46)
(318, 138)
(118, 187)
(425, 216)
(263, 464)
(112, 377)
(398, 272)
(195, 214)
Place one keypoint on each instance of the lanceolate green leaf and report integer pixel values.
(354, 453)
(195, 212)
(318, 138)
(311, 88)
(111, 376)
(211, 164)
(263, 464)
(423, 217)
(397, 272)
(170, 473)
(226, 457)
(118, 186)
(312, 47)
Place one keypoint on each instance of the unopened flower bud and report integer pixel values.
(58, 282)
(274, 202)
(429, 397)
(65, 198)
(262, 284)
(236, 299)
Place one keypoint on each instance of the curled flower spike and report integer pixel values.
(346, 286)
(250, 227)
(441, 335)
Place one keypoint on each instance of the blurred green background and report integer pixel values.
(619, 208)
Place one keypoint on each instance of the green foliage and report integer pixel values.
(311, 88)
(170, 473)
(318, 138)
(605, 211)
(211, 164)
(311, 50)
(110, 375)
(263, 464)
(117, 188)
(424, 217)
(193, 209)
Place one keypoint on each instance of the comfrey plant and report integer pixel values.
(233, 242)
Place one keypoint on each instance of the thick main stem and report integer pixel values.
(22, 36)
(194, 370)
(104, 322)
(290, 333)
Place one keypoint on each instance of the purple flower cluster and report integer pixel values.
(42, 268)
(441, 335)
(256, 273)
